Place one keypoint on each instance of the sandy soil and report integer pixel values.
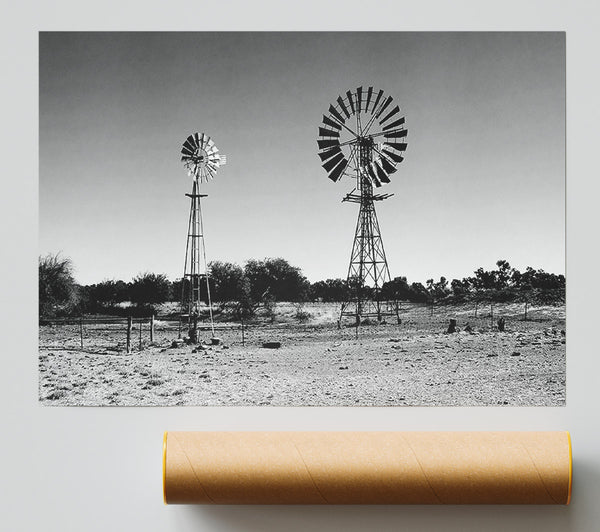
(414, 363)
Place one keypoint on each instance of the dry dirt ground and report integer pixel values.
(414, 363)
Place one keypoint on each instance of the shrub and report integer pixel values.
(58, 292)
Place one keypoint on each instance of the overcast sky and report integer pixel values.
(483, 178)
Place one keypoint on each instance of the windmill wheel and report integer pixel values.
(201, 157)
(363, 135)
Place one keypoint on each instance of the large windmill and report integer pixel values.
(363, 137)
(202, 159)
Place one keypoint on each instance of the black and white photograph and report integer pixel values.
(302, 218)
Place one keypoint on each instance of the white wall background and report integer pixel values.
(98, 469)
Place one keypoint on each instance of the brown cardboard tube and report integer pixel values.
(367, 467)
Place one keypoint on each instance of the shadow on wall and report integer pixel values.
(383, 518)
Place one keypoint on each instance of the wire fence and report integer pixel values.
(109, 333)
(122, 333)
(476, 315)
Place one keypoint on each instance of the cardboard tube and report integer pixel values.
(367, 467)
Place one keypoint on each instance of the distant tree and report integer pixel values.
(330, 290)
(548, 281)
(176, 287)
(503, 275)
(231, 288)
(484, 280)
(109, 292)
(150, 289)
(277, 279)
(441, 289)
(57, 289)
(228, 280)
(460, 289)
(244, 307)
(419, 294)
(396, 290)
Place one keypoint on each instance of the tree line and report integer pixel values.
(240, 290)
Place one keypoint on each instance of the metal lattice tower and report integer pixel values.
(363, 137)
(368, 269)
(202, 159)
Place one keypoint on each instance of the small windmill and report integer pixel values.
(363, 136)
(201, 158)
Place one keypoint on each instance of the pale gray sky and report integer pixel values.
(483, 177)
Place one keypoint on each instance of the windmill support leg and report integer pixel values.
(196, 269)
(368, 269)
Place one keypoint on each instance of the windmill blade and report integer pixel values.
(387, 166)
(369, 94)
(192, 140)
(393, 125)
(384, 106)
(205, 138)
(337, 172)
(399, 133)
(343, 107)
(400, 146)
(188, 147)
(394, 156)
(393, 112)
(381, 174)
(196, 140)
(324, 155)
(223, 159)
(336, 114)
(359, 98)
(327, 143)
(379, 95)
(333, 162)
(331, 123)
(209, 171)
(351, 102)
(323, 132)
(372, 174)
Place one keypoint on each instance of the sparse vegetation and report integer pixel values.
(417, 362)
(302, 315)
(240, 291)
(58, 294)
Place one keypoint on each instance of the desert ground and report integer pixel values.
(414, 363)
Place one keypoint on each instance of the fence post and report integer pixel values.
(81, 331)
(152, 328)
(129, 334)
(141, 323)
(526, 305)
(243, 338)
